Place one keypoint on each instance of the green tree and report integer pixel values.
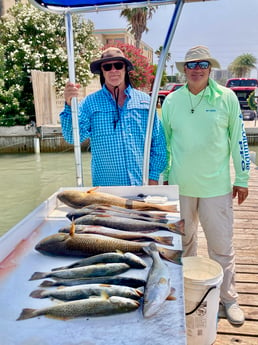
(33, 39)
(137, 19)
(242, 65)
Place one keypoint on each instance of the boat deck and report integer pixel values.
(246, 246)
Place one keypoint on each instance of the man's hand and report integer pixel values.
(241, 193)
(71, 90)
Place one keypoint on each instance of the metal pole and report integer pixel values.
(71, 67)
(161, 65)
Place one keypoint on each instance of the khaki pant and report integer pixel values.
(216, 218)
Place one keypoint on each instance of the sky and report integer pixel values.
(228, 27)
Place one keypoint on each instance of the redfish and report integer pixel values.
(78, 199)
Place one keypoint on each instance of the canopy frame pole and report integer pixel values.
(154, 97)
(74, 104)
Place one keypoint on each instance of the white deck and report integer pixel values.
(19, 260)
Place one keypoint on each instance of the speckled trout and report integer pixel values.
(72, 293)
(78, 199)
(97, 306)
(98, 270)
(158, 284)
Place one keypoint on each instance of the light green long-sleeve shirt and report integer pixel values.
(200, 144)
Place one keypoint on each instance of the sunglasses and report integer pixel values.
(194, 64)
(117, 65)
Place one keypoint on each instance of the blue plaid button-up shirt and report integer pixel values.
(117, 137)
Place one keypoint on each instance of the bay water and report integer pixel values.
(26, 180)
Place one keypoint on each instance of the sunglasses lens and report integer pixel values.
(201, 64)
(191, 65)
(107, 67)
(117, 65)
(204, 64)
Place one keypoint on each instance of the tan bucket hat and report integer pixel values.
(110, 54)
(197, 53)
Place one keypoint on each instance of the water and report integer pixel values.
(26, 180)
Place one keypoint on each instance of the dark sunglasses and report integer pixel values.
(117, 65)
(194, 64)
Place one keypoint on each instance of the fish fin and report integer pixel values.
(178, 227)
(171, 296)
(171, 255)
(38, 275)
(104, 295)
(47, 283)
(37, 293)
(26, 313)
(92, 190)
(167, 240)
(72, 229)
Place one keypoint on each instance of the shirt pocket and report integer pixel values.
(103, 123)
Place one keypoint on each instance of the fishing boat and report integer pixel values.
(19, 259)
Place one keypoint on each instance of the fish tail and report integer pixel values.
(47, 283)
(171, 255)
(167, 240)
(178, 227)
(26, 313)
(168, 208)
(38, 275)
(37, 294)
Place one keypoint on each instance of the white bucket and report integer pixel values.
(202, 280)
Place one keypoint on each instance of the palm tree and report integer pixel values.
(242, 65)
(137, 19)
(158, 53)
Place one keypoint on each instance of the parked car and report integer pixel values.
(166, 90)
(242, 88)
(170, 87)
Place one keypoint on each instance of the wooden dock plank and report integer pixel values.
(246, 247)
(225, 339)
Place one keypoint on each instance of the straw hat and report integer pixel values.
(110, 54)
(196, 54)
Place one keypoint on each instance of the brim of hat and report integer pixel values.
(214, 64)
(95, 66)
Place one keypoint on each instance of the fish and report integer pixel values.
(128, 224)
(87, 245)
(128, 258)
(158, 284)
(72, 293)
(143, 213)
(79, 199)
(114, 280)
(122, 234)
(98, 270)
(95, 306)
(109, 211)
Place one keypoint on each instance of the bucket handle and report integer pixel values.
(205, 295)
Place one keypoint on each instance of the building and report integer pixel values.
(6, 4)
(109, 36)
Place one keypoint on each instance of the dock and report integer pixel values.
(246, 247)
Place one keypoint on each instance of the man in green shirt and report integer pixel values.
(204, 129)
